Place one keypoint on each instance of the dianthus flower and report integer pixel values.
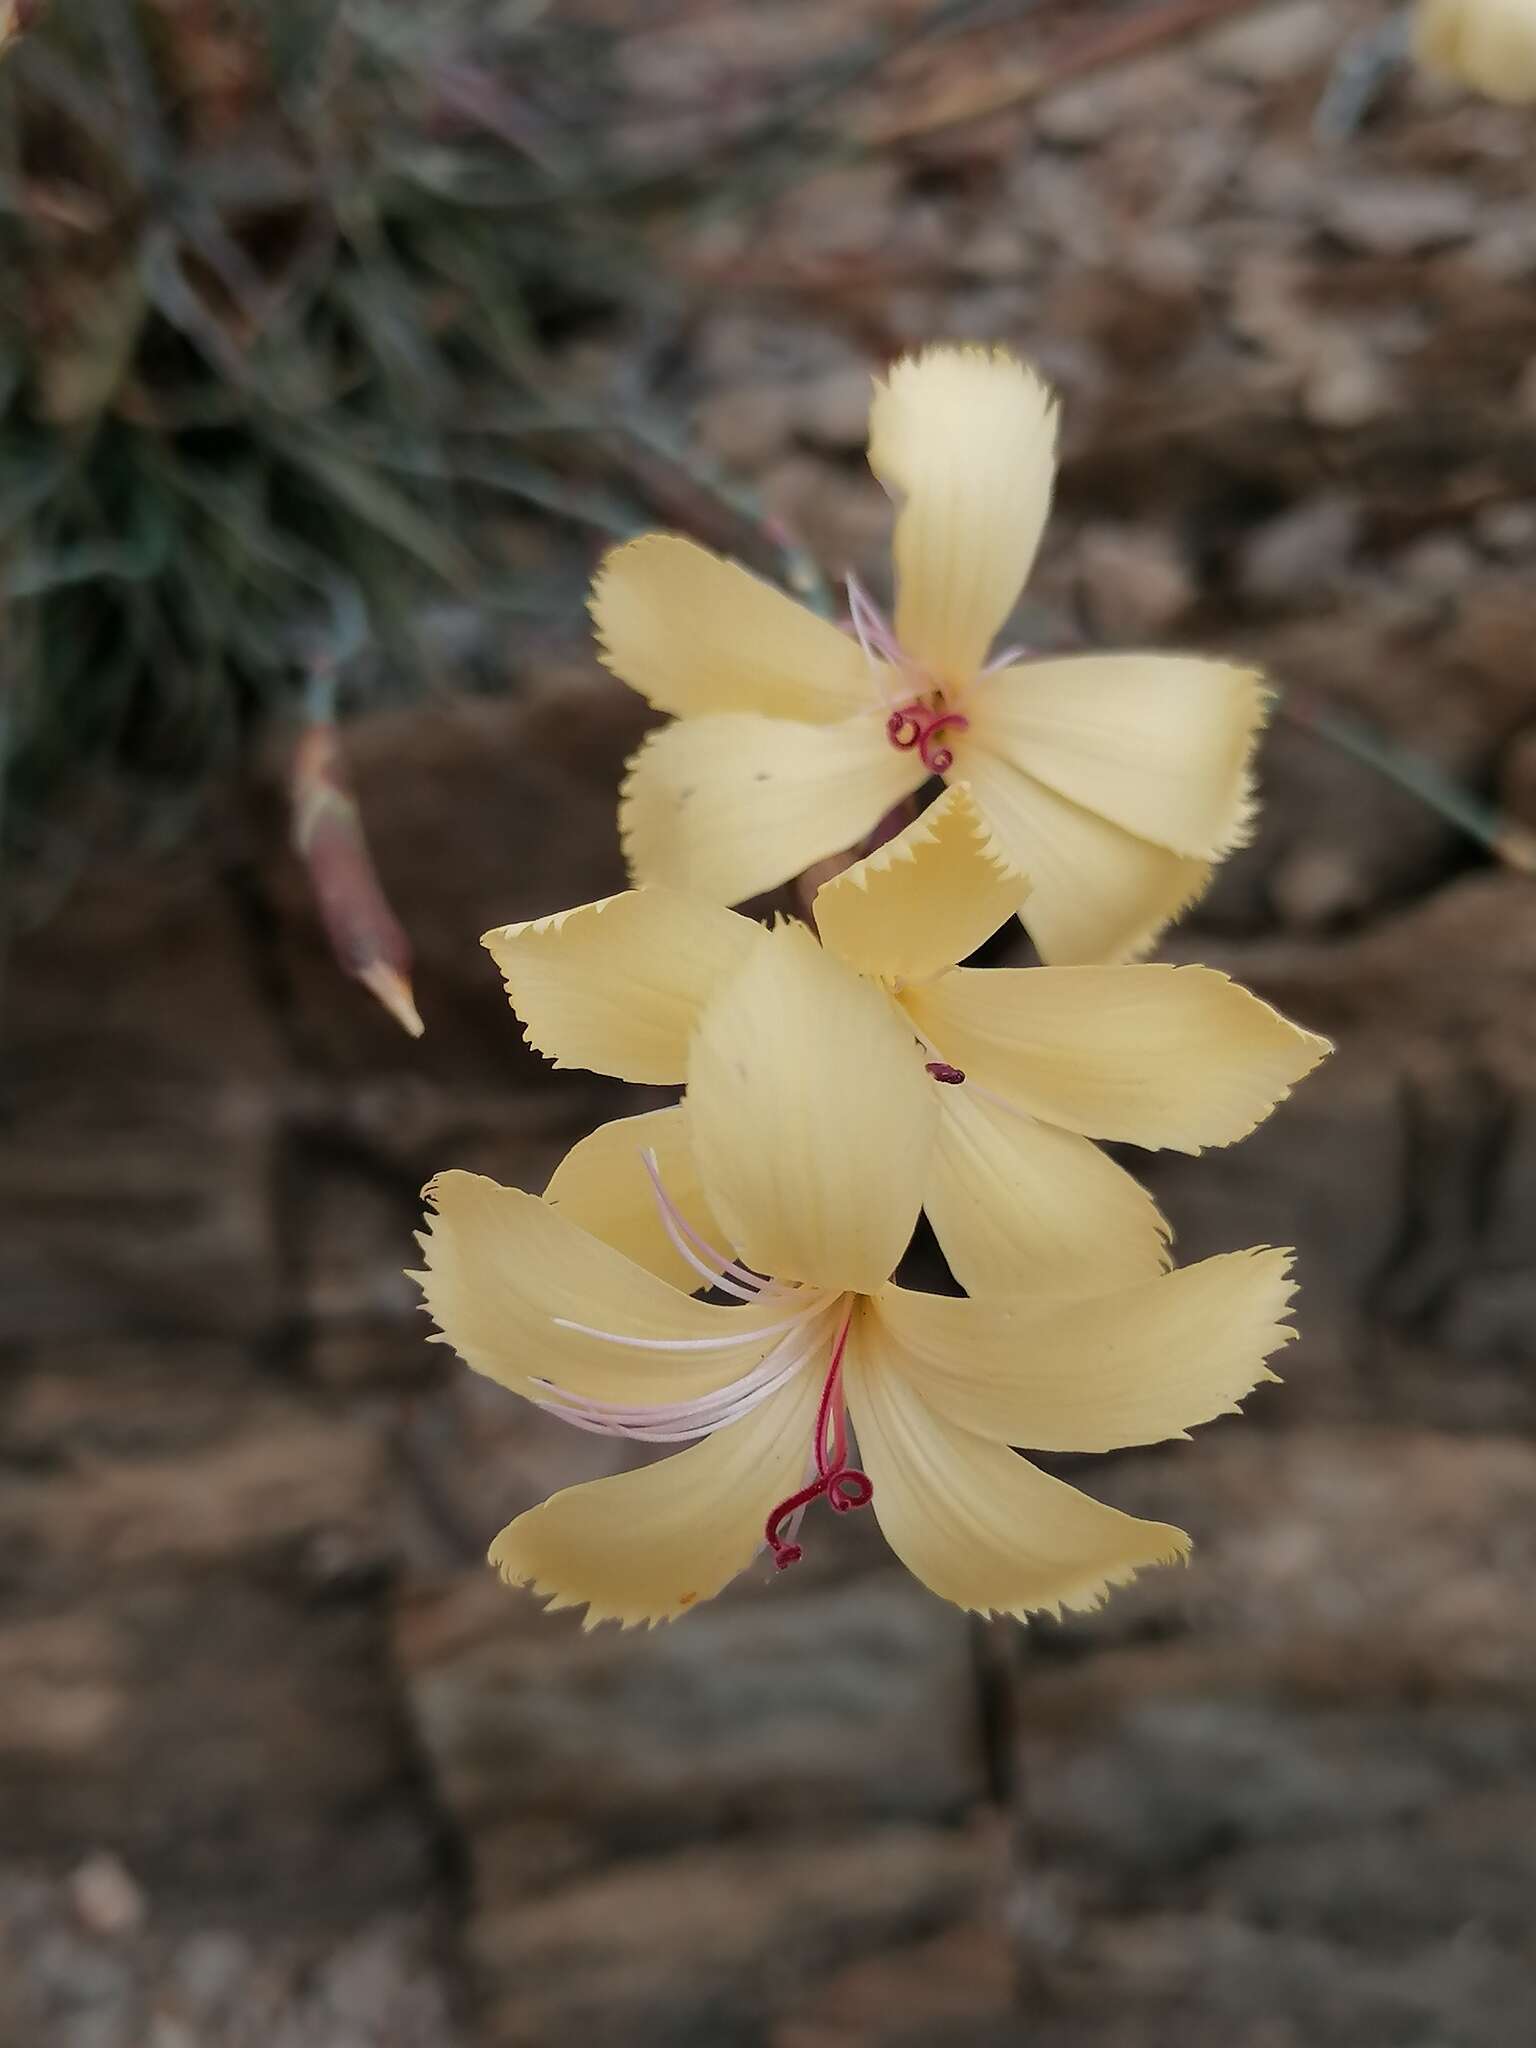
(1488, 45)
(874, 1070)
(1112, 781)
(769, 1392)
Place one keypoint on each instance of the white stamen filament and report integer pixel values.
(680, 1421)
(728, 1274)
(684, 1343)
(870, 627)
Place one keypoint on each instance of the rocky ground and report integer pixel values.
(280, 1764)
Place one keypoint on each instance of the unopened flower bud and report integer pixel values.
(368, 939)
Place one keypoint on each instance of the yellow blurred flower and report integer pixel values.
(874, 1071)
(1487, 45)
(764, 1393)
(1112, 781)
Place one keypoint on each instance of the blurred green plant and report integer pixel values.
(278, 278)
(281, 280)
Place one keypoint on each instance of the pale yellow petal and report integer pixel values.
(1160, 744)
(697, 634)
(1133, 1366)
(1095, 892)
(964, 439)
(601, 1184)
(646, 1546)
(618, 985)
(505, 1273)
(1151, 1055)
(1488, 45)
(974, 1521)
(732, 806)
(1018, 1205)
(811, 1116)
(925, 899)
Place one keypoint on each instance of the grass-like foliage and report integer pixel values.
(280, 277)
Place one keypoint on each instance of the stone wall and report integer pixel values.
(281, 1764)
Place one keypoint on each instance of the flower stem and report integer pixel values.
(1505, 838)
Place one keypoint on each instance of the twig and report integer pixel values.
(785, 123)
(1115, 45)
(1507, 840)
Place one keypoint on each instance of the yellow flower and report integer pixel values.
(1489, 45)
(877, 1072)
(1112, 780)
(764, 1393)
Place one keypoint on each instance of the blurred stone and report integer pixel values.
(667, 1948)
(166, 2031)
(1312, 1735)
(1276, 46)
(1346, 385)
(147, 1208)
(833, 409)
(1080, 115)
(207, 1968)
(1508, 530)
(999, 250)
(1317, 886)
(1400, 216)
(1517, 780)
(956, 1987)
(1135, 582)
(105, 1898)
(1438, 565)
(795, 1759)
(513, 1706)
(1301, 556)
(747, 428)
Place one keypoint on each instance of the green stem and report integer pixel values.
(1508, 841)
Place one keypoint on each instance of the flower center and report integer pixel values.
(919, 724)
(844, 1485)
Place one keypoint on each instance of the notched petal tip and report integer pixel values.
(625, 559)
(924, 900)
(646, 1545)
(935, 372)
(617, 985)
(696, 633)
(1092, 1594)
(964, 441)
(556, 1599)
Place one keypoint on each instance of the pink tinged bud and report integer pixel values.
(367, 938)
